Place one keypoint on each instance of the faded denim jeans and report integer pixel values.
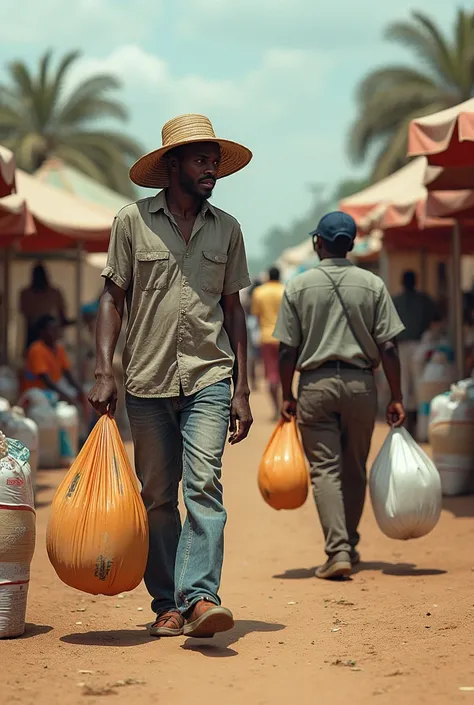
(174, 439)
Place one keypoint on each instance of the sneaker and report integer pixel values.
(208, 619)
(168, 623)
(355, 557)
(337, 567)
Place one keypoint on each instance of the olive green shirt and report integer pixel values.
(312, 319)
(175, 339)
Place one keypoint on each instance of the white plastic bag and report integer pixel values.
(405, 488)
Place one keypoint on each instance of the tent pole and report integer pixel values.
(457, 300)
(5, 304)
(79, 317)
(423, 270)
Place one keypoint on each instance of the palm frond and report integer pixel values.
(70, 155)
(77, 112)
(426, 41)
(30, 151)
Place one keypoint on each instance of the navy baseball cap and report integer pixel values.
(335, 225)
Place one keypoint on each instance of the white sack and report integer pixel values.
(405, 488)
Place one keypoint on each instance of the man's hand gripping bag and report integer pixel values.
(283, 471)
(97, 537)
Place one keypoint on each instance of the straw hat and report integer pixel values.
(151, 170)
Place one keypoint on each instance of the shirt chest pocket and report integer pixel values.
(153, 270)
(213, 266)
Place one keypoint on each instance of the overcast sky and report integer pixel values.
(277, 75)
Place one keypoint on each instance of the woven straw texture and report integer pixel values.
(151, 170)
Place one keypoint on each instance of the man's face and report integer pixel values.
(197, 166)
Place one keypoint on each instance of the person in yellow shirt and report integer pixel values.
(266, 302)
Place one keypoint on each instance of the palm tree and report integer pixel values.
(389, 97)
(39, 119)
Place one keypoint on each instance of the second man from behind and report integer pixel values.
(336, 323)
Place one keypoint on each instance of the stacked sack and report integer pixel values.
(17, 535)
(38, 407)
(14, 424)
(438, 376)
(451, 435)
(8, 385)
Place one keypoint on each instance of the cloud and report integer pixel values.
(79, 23)
(339, 25)
(264, 93)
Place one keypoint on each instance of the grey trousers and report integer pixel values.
(336, 416)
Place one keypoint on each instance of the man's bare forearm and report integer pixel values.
(236, 328)
(288, 358)
(392, 369)
(109, 324)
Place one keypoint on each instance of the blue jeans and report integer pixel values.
(174, 439)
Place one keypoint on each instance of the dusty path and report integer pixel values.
(402, 628)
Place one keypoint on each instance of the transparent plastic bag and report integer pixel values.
(405, 488)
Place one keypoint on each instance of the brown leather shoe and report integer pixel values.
(168, 623)
(208, 619)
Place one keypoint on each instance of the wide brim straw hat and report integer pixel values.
(151, 170)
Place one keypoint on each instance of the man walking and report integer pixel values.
(179, 263)
(266, 302)
(335, 324)
(417, 313)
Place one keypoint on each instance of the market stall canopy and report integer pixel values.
(454, 204)
(456, 178)
(295, 260)
(367, 248)
(56, 173)
(445, 138)
(60, 219)
(403, 186)
(15, 220)
(7, 171)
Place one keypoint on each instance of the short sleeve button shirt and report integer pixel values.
(312, 319)
(175, 336)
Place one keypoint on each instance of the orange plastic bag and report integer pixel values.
(97, 537)
(283, 471)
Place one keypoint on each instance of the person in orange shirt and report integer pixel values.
(266, 302)
(47, 363)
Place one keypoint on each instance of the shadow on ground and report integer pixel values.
(459, 506)
(113, 637)
(406, 570)
(32, 630)
(216, 648)
(219, 646)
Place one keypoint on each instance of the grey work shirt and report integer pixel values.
(175, 339)
(312, 319)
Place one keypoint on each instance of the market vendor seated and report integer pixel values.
(47, 364)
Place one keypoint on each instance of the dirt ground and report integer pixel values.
(401, 628)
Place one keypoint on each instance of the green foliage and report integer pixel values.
(39, 119)
(441, 76)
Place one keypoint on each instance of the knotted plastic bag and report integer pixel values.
(405, 488)
(97, 537)
(283, 472)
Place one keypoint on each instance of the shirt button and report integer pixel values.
(216, 258)
(180, 354)
(187, 254)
